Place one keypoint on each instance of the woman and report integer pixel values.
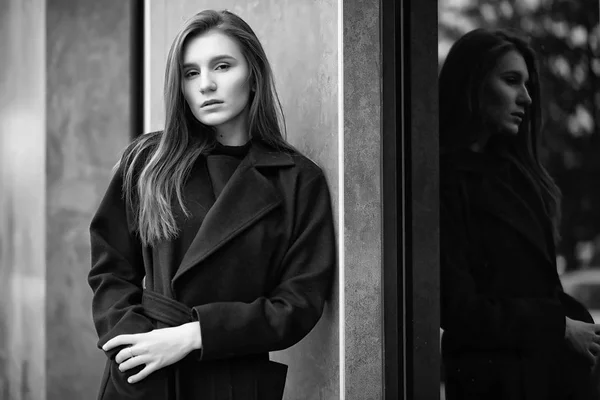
(510, 332)
(214, 243)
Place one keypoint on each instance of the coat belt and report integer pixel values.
(164, 309)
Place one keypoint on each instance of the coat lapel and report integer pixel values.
(247, 196)
(494, 196)
(498, 199)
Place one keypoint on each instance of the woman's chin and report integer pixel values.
(213, 122)
(510, 130)
(213, 118)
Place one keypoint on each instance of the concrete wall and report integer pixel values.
(301, 42)
(362, 199)
(88, 48)
(22, 199)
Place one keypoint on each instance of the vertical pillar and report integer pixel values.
(363, 337)
(88, 46)
(301, 42)
(22, 199)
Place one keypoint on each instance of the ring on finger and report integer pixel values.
(131, 355)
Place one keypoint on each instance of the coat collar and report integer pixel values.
(498, 199)
(495, 196)
(262, 154)
(245, 199)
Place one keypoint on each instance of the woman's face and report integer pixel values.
(215, 80)
(505, 97)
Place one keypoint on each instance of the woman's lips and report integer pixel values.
(210, 103)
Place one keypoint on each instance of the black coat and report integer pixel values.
(502, 304)
(256, 276)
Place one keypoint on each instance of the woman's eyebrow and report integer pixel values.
(189, 65)
(214, 59)
(222, 57)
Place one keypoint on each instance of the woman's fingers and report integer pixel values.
(122, 355)
(591, 357)
(150, 368)
(132, 363)
(121, 340)
(126, 353)
(594, 349)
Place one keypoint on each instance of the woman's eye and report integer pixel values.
(190, 74)
(223, 67)
(512, 80)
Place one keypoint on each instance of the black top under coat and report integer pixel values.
(220, 165)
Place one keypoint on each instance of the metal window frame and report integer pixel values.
(136, 68)
(410, 191)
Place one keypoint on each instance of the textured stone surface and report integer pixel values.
(88, 50)
(362, 201)
(301, 42)
(22, 200)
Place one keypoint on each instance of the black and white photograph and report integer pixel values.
(300, 200)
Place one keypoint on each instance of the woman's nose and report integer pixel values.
(524, 97)
(207, 83)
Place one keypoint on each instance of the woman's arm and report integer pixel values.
(116, 279)
(117, 269)
(291, 310)
(482, 320)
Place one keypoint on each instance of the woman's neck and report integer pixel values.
(234, 132)
(232, 140)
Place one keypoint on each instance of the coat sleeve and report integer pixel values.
(117, 269)
(291, 310)
(116, 279)
(479, 319)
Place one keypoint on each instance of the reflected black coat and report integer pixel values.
(502, 305)
(256, 278)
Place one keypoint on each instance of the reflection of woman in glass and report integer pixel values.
(509, 330)
(228, 224)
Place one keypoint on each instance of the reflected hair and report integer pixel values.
(461, 87)
(155, 166)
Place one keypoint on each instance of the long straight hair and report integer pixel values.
(156, 165)
(461, 86)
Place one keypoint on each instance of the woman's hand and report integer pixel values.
(584, 338)
(156, 349)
